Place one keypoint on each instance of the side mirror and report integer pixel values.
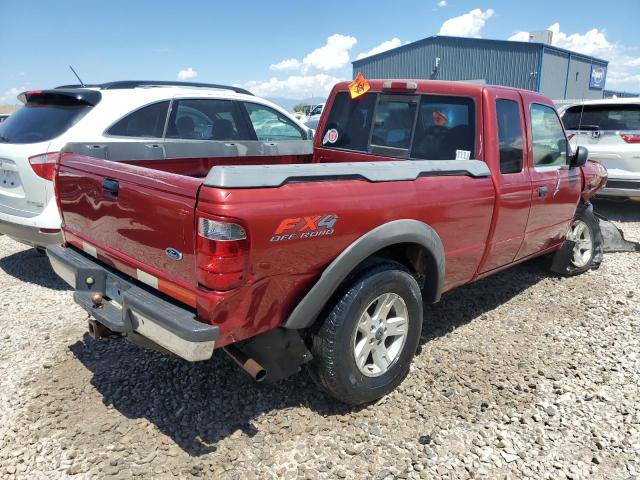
(579, 158)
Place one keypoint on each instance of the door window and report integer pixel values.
(509, 136)
(206, 119)
(271, 125)
(147, 122)
(548, 138)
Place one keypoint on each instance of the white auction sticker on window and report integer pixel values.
(463, 154)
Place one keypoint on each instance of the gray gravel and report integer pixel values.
(520, 375)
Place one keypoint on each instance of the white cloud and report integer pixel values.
(519, 37)
(295, 86)
(383, 47)
(288, 64)
(331, 56)
(187, 74)
(11, 94)
(468, 25)
(624, 67)
(442, 3)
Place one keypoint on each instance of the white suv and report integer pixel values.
(610, 129)
(127, 120)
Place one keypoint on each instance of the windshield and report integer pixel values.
(35, 123)
(603, 117)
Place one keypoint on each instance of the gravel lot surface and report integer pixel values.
(520, 375)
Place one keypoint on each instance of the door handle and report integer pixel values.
(111, 186)
(542, 191)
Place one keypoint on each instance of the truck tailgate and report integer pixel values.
(139, 220)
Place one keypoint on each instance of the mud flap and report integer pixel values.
(613, 238)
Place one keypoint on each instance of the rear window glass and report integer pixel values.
(39, 122)
(445, 128)
(423, 127)
(147, 122)
(602, 117)
(351, 119)
(393, 124)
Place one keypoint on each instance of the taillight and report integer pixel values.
(44, 165)
(570, 136)
(631, 138)
(222, 254)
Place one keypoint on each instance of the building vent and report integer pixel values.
(543, 36)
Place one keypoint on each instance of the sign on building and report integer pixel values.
(598, 76)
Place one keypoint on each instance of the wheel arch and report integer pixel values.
(410, 242)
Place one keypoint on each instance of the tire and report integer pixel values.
(340, 334)
(583, 249)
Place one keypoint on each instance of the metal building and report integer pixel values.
(555, 72)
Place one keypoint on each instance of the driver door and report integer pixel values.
(555, 188)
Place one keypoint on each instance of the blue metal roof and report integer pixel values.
(475, 41)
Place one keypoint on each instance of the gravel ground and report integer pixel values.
(520, 375)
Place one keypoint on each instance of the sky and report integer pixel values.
(282, 49)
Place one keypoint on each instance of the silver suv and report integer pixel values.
(610, 129)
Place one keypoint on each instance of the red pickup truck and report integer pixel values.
(413, 188)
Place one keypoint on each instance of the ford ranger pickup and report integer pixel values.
(413, 188)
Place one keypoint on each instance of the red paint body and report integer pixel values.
(485, 224)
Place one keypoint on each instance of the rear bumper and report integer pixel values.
(29, 235)
(622, 188)
(136, 310)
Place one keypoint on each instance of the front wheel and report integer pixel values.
(364, 345)
(583, 249)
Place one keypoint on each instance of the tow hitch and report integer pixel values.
(613, 238)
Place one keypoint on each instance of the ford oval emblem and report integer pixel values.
(173, 253)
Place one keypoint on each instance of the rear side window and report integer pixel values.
(146, 122)
(40, 121)
(549, 141)
(445, 128)
(602, 117)
(509, 136)
(352, 120)
(206, 119)
(271, 125)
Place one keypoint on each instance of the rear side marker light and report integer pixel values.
(49, 230)
(631, 138)
(570, 136)
(44, 165)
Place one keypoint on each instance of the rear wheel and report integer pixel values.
(365, 343)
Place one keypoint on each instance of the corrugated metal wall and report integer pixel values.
(578, 79)
(499, 63)
(554, 74)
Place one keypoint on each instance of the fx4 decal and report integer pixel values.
(305, 227)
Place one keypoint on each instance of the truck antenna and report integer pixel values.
(77, 76)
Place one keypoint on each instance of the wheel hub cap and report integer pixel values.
(582, 252)
(381, 334)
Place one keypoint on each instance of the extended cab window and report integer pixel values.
(549, 141)
(206, 119)
(445, 128)
(271, 125)
(509, 136)
(147, 122)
